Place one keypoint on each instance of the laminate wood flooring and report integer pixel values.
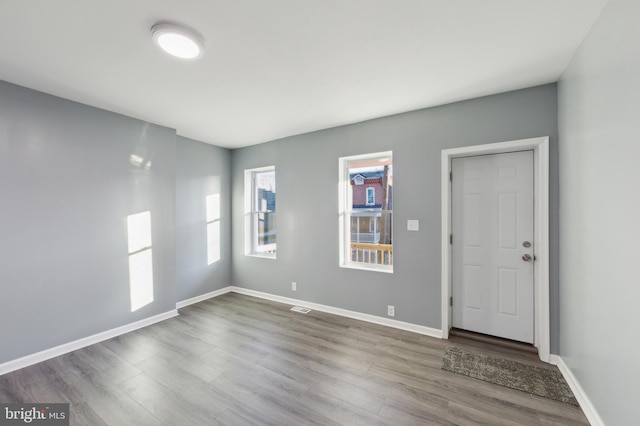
(239, 360)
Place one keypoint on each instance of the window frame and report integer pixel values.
(251, 213)
(345, 197)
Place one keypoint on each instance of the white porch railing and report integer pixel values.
(372, 253)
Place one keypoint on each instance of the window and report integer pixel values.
(366, 201)
(260, 211)
(371, 196)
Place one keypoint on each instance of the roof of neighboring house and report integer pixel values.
(367, 175)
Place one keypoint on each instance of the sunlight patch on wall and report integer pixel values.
(213, 228)
(140, 162)
(140, 260)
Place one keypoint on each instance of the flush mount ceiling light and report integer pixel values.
(177, 41)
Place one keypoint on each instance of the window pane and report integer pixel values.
(265, 186)
(372, 247)
(364, 228)
(377, 190)
(266, 230)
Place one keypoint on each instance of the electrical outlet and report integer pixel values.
(413, 225)
(294, 286)
(391, 311)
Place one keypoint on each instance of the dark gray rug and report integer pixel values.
(545, 382)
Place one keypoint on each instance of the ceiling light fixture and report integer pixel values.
(177, 41)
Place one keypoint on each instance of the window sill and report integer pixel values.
(380, 268)
(262, 255)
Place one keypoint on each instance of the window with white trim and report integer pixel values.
(260, 211)
(366, 211)
(371, 196)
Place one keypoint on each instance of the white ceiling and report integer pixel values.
(275, 68)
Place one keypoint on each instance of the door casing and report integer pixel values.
(540, 147)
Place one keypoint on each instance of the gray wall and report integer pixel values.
(599, 98)
(307, 203)
(69, 177)
(201, 170)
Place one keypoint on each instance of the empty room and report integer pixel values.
(278, 212)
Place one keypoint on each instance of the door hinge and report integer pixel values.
(450, 176)
(450, 238)
(451, 301)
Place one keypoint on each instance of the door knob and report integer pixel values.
(526, 257)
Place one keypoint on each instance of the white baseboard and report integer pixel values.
(584, 401)
(433, 332)
(202, 297)
(37, 357)
(554, 359)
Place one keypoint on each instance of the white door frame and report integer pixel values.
(540, 148)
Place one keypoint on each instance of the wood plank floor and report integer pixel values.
(238, 360)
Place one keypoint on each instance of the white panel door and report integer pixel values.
(492, 227)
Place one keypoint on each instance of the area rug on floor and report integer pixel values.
(545, 382)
